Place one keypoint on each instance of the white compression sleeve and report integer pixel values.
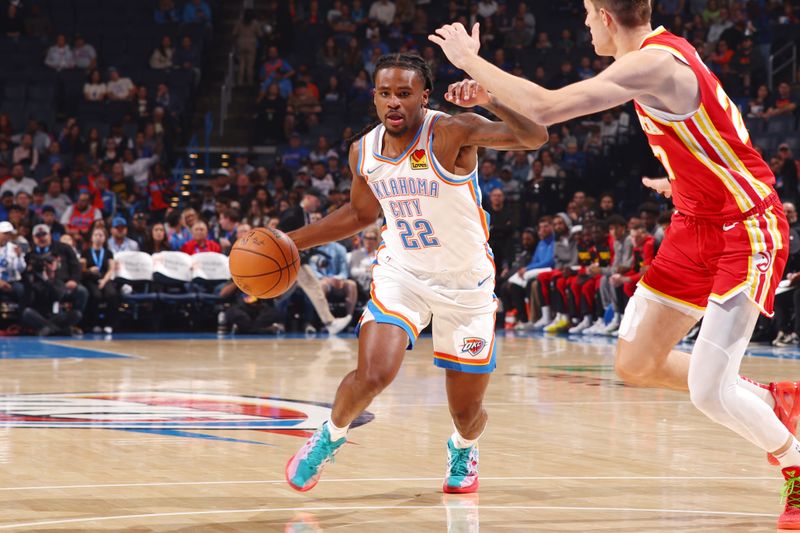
(714, 383)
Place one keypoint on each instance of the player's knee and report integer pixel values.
(375, 380)
(708, 398)
(632, 366)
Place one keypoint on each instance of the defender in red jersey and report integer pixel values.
(727, 245)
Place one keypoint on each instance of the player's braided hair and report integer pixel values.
(403, 61)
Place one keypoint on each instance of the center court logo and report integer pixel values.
(160, 410)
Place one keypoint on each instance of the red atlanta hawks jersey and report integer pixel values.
(712, 165)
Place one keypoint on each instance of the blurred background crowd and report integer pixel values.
(99, 105)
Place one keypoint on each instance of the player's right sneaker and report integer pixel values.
(305, 467)
(462, 469)
(790, 518)
(787, 407)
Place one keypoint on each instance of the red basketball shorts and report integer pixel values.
(705, 259)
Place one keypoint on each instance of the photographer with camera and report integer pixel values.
(69, 269)
(44, 291)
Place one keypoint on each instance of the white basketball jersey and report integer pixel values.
(434, 218)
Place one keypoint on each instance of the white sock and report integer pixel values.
(461, 442)
(546, 313)
(756, 388)
(790, 457)
(336, 432)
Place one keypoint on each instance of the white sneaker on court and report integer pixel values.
(596, 328)
(339, 324)
(583, 325)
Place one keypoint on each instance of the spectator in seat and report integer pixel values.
(271, 115)
(12, 264)
(60, 56)
(200, 241)
(166, 12)
(161, 58)
(44, 290)
(197, 12)
(50, 220)
(383, 11)
(68, 269)
(513, 294)
(55, 198)
(103, 198)
(187, 57)
(119, 88)
(501, 231)
(97, 277)
(156, 240)
(329, 263)
(26, 154)
(78, 218)
(362, 257)
(137, 169)
(84, 53)
(783, 104)
(18, 181)
(120, 242)
(228, 224)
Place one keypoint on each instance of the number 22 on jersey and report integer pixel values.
(417, 234)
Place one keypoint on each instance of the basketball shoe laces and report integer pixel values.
(320, 451)
(460, 464)
(791, 489)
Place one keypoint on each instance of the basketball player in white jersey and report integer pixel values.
(725, 250)
(419, 167)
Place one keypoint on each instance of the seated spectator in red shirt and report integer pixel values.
(200, 241)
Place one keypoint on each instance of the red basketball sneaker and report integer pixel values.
(787, 407)
(790, 518)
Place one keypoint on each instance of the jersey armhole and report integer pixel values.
(361, 158)
(441, 173)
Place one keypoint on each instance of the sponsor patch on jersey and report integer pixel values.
(419, 160)
(473, 345)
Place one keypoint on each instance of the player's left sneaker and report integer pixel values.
(305, 467)
(462, 469)
(790, 518)
(787, 407)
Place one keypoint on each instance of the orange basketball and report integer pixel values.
(264, 263)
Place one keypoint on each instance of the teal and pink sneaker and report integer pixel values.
(305, 467)
(462, 469)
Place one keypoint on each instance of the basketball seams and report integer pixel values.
(290, 263)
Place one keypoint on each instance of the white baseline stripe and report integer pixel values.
(384, 508)
(367, 479)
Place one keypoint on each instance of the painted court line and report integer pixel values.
(365, 479)
(384, 508)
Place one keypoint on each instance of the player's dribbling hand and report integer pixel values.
(456, 43)
(660, 185)
(467, 93)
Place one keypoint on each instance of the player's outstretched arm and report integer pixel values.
(515, 132)
(362, 211)
(632, 75)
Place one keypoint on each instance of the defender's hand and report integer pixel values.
(660, 185)
(467, 93)
(458, 45)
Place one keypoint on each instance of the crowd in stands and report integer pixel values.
(572, 229)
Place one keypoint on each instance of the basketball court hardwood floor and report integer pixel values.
(192, 433)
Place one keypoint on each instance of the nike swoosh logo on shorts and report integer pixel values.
(728, 227)
(480, 283)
